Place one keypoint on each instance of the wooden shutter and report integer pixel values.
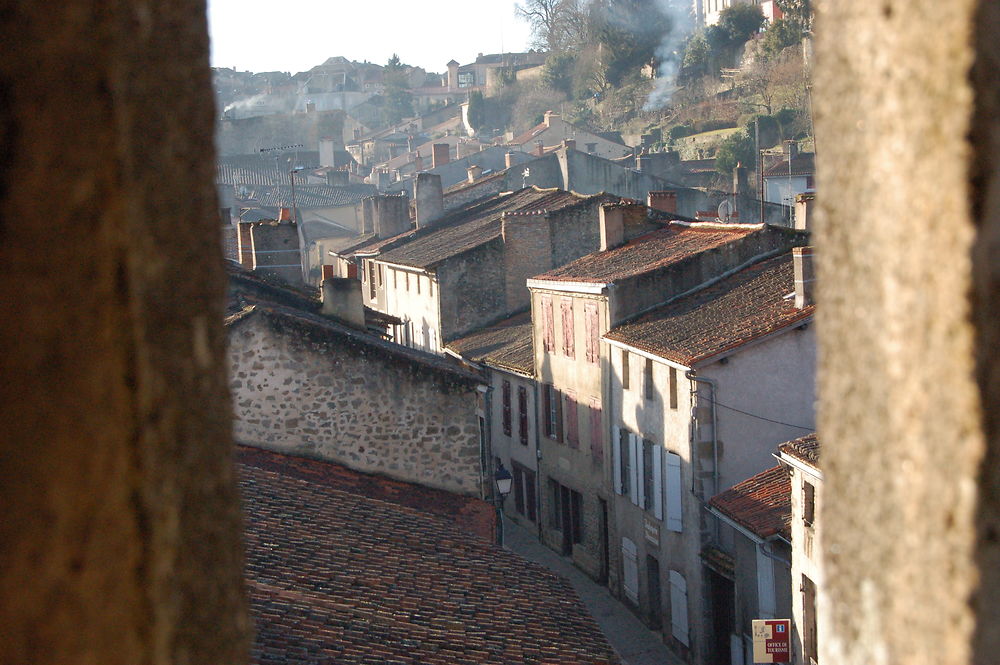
(679, 608)
(557, 417)
(616, 459)
(630, 570)
(505, 392)
(657, 483)
(766, 605)
(522, 414)
(568, 329)
(572, 421)
(592, 331)
(635, 461)
(596, 430)
(547, 410)
(548, 325)
(673, 492)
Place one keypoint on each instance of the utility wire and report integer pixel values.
(754, 415)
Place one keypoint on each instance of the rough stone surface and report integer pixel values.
(899, 410)
(362, 410)
(120, 540)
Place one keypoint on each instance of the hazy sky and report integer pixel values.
(295, 35)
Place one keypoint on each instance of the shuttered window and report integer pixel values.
(673, 387)
(505, 393)
(673, 494)
(568, 329)
(548, 325)
(572, 421)
(679, 608)
(552, 412)
(625, 378)
(592, 331)
(596, 431)
(522, 414)
(616, 460)
(630, 570)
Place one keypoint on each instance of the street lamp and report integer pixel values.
(504, 481)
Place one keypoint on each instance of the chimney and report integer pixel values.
(427, 193)
(805, 276)
(310, 107)
(791, 149)
(548, 117)
(342, 300)
(368, 214)
(392, 214)
(664, 201)
(357, 134)
(804, 211)
(418, 162)
(409, 144)
(539, 149)
(508, 159)
(226, 216)
(741, 180)
(244, 244)
(612, 226)
(439, 154)
(329, 146)
(382, 179)
(284, 214)
(338, 178)
(474, 172)
(569, 144)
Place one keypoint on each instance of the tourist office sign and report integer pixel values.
(772, 642)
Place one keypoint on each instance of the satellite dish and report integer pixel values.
(725, 211)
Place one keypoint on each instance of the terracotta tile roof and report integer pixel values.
(648, 252)
(723, 316)
(336, 575)
(477, 224)
(464, 184)
(262, 168)
(761, 504)
(330, 331)
(802, 164)
(260, 286)
(311, 196)
(805, 449)
(530, 134)
(506, 345)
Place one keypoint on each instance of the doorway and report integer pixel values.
(722, 597)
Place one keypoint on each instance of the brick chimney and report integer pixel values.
(664, 201)
(539, 149)
(474, 172)
(569, 144)
(338, 178)
(548, 117)
(342, 300)
(741, 180)
(805, 276)
(804, 211)
(427, 194)
(612, 223)
(284, 214)
(508, 159)
(368, 214)
(440, 154)
(392, 214)
(418, 162)
(310, 107)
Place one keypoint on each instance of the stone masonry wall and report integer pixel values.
(371, 413)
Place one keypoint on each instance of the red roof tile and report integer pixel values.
(337, 576)
(733, 311)
(805, 449)
(506, 345)
(660, 248)
(762, 504)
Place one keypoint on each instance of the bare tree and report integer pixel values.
(555, 24)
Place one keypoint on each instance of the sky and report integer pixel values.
(296, 35)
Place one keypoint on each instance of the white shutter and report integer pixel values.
(633, 467)
(616, 459)
(630, 570)
(657, 484)
(673, 494)
(679, 607)
(765, 585)
(640, 471)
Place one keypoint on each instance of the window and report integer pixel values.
(548, 325)
(648, 376)
(522, 414)
(572, 422)
(591, 147)
(552, 412)
(416, 278)
(568, 331)
(808, 503)
(625, 381)
(406, 278)
(647, 474)
(673, 493)
(679, 608)
(673, 387)
(592, 331)
(524, 491)
(395, 279)
(596, 433)
(505, 393)
(555, 503)
(371, 280)
(622, 444)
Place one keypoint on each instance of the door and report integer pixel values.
(653, 591)
(722, 596)
(605, 542)
(566, 520)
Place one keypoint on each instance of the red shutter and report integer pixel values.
(569, 334)
(557, 398)
(596, 433)
(522, 414)
(547, 412)
(572, 421)
(592, 331)
(506, 407)
(548, 325)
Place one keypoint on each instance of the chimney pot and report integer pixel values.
(342, 300)
(428, 199)
(474, 172)
(539, 148)
(508, 159)
(805, 276)
(569, 144)
(612, 226)
(440, 154)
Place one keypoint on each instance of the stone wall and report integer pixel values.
(471, 290)
(371, 412)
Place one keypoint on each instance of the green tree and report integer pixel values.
(798, 13)
(398, 100)
(697, 59)
(736, 149)
(477, 110)
(780, 35)
(558, 72)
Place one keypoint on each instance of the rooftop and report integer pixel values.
(311, 196)
(262, 168)
(476, 225)
(506, 345)
(351, 569)
(725, 315)
(649, 252)
(762, 504)
(805, 449)
(802, 164)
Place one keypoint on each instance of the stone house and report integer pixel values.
(553, 130)
(463, 270)
(800, 459)
(322, 386)
(701, 389)
(754, 532)
(504, 352)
